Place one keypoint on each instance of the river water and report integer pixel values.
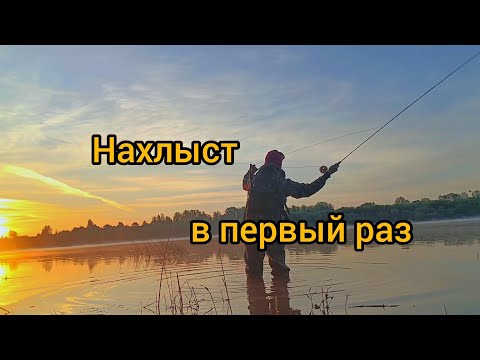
(437, 273)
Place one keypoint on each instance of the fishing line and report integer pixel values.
(321, 142)
(335, 138)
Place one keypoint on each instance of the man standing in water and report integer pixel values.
(268, 190)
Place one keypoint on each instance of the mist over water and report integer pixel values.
(438, 271)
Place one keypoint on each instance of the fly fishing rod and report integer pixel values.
(323, 169)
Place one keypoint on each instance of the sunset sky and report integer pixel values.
(53, 98)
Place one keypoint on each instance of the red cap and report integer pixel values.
(274, 157)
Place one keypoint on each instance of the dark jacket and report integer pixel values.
(270, 178)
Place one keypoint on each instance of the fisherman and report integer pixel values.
(268, 190)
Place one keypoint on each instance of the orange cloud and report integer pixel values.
(66, 189)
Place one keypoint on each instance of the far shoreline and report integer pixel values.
(182, 238)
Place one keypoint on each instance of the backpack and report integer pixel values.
(266, 201)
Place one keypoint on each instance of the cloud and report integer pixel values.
(266, 97)
(196, 172)
(66, 189)
(26, 215)
(177, 183)
(197, 200)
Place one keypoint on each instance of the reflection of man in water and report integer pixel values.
(275, 303)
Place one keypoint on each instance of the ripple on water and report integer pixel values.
(442, 266)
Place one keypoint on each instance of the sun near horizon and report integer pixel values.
(3, 228)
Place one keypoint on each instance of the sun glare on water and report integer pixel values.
(3, 271)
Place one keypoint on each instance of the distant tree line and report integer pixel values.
(449, 206)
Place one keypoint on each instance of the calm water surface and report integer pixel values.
(438, 272)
